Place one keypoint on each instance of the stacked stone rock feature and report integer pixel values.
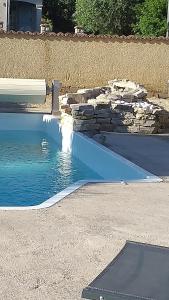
(82, 95)
(120, 107)
(91, 117)
(103, 113)
(83, 117)
(128, 91)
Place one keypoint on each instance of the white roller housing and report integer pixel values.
(22, 90)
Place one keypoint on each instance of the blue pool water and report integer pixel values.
(33, 168)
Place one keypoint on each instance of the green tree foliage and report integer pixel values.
(144, 17)
(106, 16)
(60, 13)
(151, 18)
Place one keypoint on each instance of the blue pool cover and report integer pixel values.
(138, 272)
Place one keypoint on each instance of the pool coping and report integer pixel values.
(78, 184)
(72, 188)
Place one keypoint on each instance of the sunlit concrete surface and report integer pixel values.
(54, 253)
(150, 152)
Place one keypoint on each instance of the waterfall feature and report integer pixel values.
(67, 133)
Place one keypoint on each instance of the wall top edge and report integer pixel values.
(81, 36)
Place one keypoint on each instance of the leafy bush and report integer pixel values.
(151, 18)
(106, 16)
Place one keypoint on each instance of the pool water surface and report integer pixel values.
(33, 168)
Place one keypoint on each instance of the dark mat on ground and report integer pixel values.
(138, 272)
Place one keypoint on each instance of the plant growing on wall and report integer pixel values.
(151, 18)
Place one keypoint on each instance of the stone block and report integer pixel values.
(139, 122)
(88, 112)
(141, 111)
(82, 110)
(107, 127)
(90, 93)
(133, 129)
(73, 98)
(140, 94)
(116, 114)
(63, 106)
(100, 110)
(103, 115)
(150, 123)
(123, 84)
(128, 97)
(114, 97)
(86, 127)
(103, 120)
(68, 110)
(116, 122)
(128, 122)
(102, 103)
(140, 116)
(84, 122)
(156, 111)
(102, 97)
(91, 102)
(147, 130)
(151, 117)
(122, 107)
(81, 117)
(121, 129)
(128, 115)
(126, 85)
(76, 114)
(105, 105)
(81, 106)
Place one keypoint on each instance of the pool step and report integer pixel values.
(22, 108)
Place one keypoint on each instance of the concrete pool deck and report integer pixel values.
(54, 253)
(151, 152)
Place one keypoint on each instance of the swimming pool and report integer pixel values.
(36, 172)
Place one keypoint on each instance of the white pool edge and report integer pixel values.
(72, 188)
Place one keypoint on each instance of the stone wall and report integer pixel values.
(85, 61)
(121, 107)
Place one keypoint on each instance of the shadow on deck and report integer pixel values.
(151, 152)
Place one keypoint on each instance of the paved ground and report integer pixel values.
(149, 152)
(54, 253)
